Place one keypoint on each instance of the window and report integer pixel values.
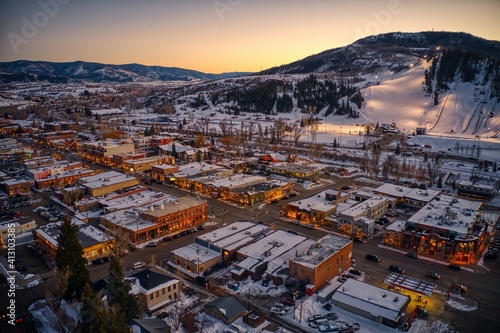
(168, 288)
(175, 286)
(151, 297)
(158, 294)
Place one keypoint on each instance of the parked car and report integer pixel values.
(422, 312)
(433, 275)
(491, 255)
(331, 316)
(281, 305)
(202, 281)
(455, 267)
(459, 287)
(397, 269)
(151, 244)
(100, 261)
(288, 301)
(327, 306)
(412, 255)
(316, 323)
(265, 282)
(315, 317)
(167, 238)
(278, 311)
(358, 240)
(201, 227)
(373, 257)
(139, 265)
(354, 272)
(329, 328)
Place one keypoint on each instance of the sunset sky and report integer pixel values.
(217, 36)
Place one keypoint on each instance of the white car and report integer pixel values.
(139, 265)
(278, 310)
(281, 305)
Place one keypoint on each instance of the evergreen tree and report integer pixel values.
(92, 318)
(184, 122)
(440, 182)
(174, 151)
(117, 323)
(334, 142)
(398, 149)
(120, 291)
(376, 126)
(69, 257)
(495, 166)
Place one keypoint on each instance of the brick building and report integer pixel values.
(329, 257)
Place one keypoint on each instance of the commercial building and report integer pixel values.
(95, 243)
(327, 258)
(449, 228)
(375, 303)
(314, 209)
(107, 182)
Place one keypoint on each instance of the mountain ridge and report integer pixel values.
(350, 59)
(74, 71)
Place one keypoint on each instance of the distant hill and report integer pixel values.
(386, 51)
(62, 72)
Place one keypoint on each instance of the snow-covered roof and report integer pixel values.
(321, 250)
(362, 207)
(282, 261)
(196, 254)
(377, 301)
(397, 226)
(236, 240)
(422, 195)
(220, 236)
(316, 202)
(392, 190)
(144, 199)
(410, 283)
(449, 213)
(149, 281)
(104, 179)
(196, 168)
(87, 234)
(128, 219)
(173, 206)
(272, 245)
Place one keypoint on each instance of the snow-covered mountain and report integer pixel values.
(391, 51)
(414, 80)
(60, 72)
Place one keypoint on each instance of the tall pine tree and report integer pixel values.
(92, 317)
(120, 291)
(69, 258)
